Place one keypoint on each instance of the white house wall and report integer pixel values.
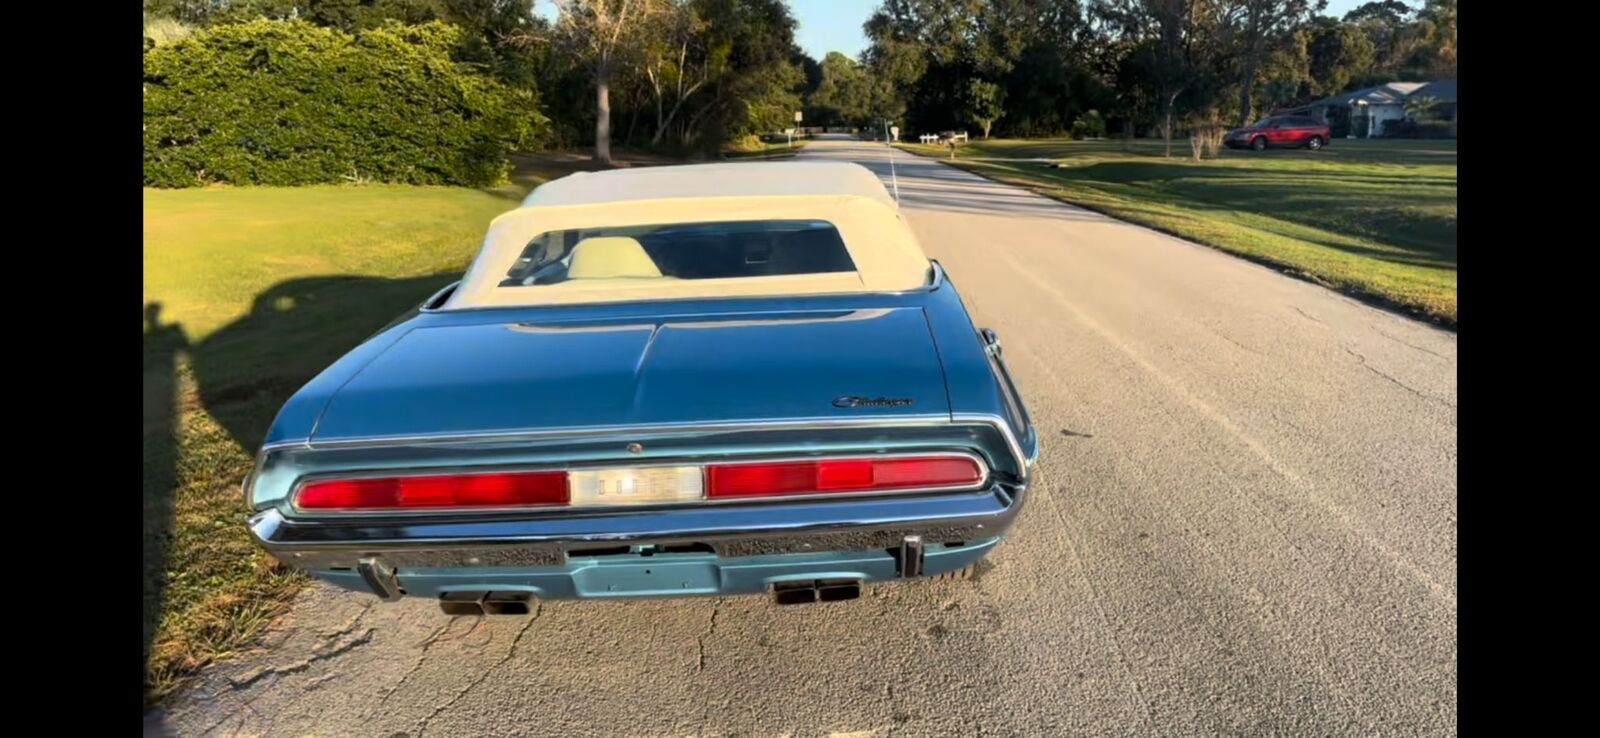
(1381, 113)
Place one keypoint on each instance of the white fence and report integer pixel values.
(928, 138)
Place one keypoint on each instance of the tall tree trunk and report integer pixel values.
(1166, 123)
(602, 111)
(1246, 86)
(986, 125)
(633, 122)
(655, 86)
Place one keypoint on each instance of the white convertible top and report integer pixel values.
(749, 179)
(848, 196)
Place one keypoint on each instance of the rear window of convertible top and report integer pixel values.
(712, 250)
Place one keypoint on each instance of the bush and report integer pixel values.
(163, 31)
(1205, 140)
(1399, 128)
(290, 103)
(1405, 128)
(1435, 129)
(1089, 125)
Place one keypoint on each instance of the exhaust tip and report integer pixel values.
(507, 603)
(848, 589)
(816, 590)
(461, 603)
(794, 593)
(479, 602)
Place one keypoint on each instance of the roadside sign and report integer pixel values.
(797, 116)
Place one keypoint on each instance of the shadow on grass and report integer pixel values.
(163, 344)
(294, 330)
(244, 373)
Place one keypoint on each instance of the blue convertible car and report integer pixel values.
(711, 379)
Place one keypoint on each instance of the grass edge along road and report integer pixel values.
(1319, 216)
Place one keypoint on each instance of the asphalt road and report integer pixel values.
(1244, 523)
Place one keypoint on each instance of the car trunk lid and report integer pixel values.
(507, 377)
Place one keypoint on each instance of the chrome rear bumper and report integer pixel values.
(731, 530)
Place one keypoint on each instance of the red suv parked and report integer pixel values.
(1280, 131)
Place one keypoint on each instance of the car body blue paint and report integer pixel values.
(681, 381)
(710, 368)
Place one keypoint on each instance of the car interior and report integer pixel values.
(683, 251)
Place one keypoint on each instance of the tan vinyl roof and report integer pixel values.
(886, 254)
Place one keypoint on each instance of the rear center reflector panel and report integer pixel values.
(647, 485)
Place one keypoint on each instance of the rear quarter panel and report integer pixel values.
(978, 383)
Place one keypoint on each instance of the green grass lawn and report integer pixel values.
(248, 293)
(1376, 219)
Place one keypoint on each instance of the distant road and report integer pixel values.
(1244, 523)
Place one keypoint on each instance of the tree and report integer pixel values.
(983, 102)
(1171, 53)
(1437, 58)
(1339, 53)
(1418, 106)
(1256, 28)
(844, 95)
(679, 62)
(1285, 75)
(1388, 12)
(708, 70)
(600, 32)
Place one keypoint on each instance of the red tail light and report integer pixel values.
(500, 489)
(763, 479)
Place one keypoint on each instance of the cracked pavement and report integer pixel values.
(1244, 522)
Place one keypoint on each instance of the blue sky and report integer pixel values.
(835, 25)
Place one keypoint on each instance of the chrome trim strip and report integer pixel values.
(435, 298)
(311, 515)
(604, 430)
(936, 279)
(833, 316)
(733, 530)
(1024, 460)
(1004, 428)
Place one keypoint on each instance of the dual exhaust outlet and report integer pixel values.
(478, 603)
(485, 603)
(908, 557)
(908, 563)
(815, 590)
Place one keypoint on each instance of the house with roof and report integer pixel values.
(1443, 93)
(1362, 113)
